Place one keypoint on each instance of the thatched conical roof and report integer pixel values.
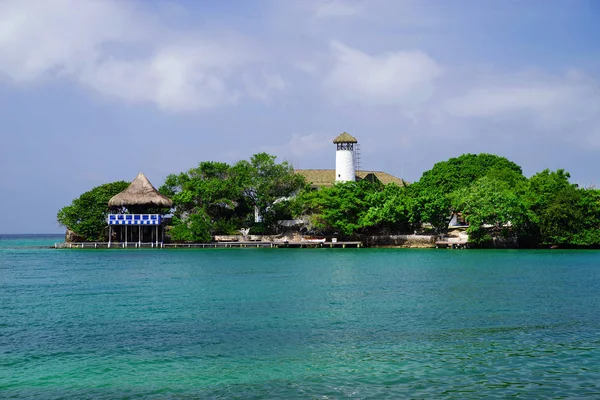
(140, 193)
(345, 137)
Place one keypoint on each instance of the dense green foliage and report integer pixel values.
(433, 191)
(460, 172)
(499, 204)
(207, 200)
(355, 207)
(562, 213)
(268, 187)
(491, 208)
(217, 198)
(86, 216)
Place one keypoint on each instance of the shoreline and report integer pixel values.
(240, 244)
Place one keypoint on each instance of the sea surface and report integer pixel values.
(296, 323)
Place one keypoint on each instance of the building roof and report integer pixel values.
(140, 193)
(326, 177)
(345, 138)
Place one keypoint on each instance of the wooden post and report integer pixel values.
(109, 234)
(125, 245)
(139, 236)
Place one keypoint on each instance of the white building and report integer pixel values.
(346, 167)
(344, 158)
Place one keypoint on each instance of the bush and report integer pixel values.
(86, 216)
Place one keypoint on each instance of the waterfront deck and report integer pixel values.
(248, 244)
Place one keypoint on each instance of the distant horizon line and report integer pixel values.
(40, 234)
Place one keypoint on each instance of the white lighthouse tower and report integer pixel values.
(344, 158)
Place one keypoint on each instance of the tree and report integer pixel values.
(554, 204)
(207, 200)
(86, 216)
(432, 205)
(490, 206)
(216, 198)
(433, 190)
(561, 220)
(196, 227)
(588, 233)
(462, 171)
(389, 210)
(268, 186)
(351, 208)
(338, 209)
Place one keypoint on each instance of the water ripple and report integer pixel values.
(229, 324)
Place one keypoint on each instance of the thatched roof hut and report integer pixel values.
(140, 193)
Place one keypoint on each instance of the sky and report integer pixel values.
(94, 91)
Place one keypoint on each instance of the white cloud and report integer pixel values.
(40, 38)
(311, 143)
(548, 103)
(120, 50)
(264, 87)
(314, 144)
(336, 8)
(400, 78)
(336, 14)
(177, 77)
(495, 100)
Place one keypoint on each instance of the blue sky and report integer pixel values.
(93, 91)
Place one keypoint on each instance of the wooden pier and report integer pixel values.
(248, 244)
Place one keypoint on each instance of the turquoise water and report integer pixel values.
(297, 323)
